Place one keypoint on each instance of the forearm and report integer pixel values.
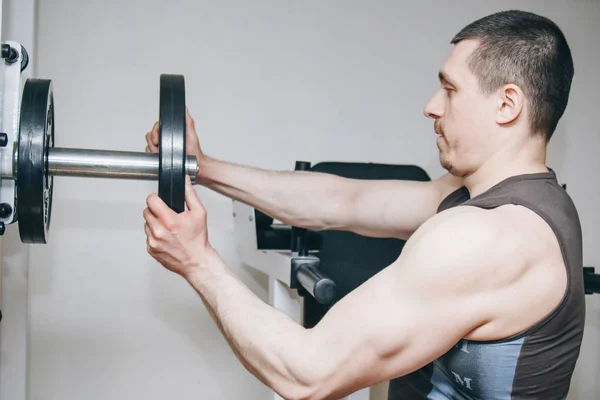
(311, 200)
(269, 344)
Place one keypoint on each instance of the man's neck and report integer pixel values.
(504, 165)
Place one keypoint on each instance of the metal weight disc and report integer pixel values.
(36, 136)
(171, 139)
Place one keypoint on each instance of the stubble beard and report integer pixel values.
(444, 161)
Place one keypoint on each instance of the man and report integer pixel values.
(486, 299)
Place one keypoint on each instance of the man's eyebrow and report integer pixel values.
(445, 78)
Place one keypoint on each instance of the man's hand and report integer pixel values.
(178, 241)
(191, 138)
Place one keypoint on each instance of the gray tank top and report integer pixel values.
(539, 362)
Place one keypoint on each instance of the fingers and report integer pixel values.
(152, 222)
(149, 235)
(189, 121)
(150, 146)
(155, 231)
(152, 139)
(151, 242)
(154, 132)
(160, 210)
(191, 197)
(193, 142)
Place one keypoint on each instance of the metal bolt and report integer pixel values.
(5, 210)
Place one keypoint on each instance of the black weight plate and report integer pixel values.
(34, 186)
(171, 139)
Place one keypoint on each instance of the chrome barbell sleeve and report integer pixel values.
(109, 164)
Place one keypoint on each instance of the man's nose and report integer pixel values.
(434, 108)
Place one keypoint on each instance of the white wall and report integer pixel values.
(268, 82)
(18, 24)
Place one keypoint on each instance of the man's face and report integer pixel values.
(464, 118)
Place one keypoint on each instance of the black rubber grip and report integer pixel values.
(591, 281)
(318, 285)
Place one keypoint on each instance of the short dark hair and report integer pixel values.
(527, 50)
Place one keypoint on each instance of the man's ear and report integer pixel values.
(511, 101)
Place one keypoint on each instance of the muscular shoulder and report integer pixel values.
(507, 230)
(501, 259)
(464, 229)
(487, 249)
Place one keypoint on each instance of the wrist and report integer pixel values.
(204, 165)
(204, 266)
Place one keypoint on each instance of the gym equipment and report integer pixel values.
(37, 160)
(172, 165)
(591, 280)
(34, 184)
(29, 160)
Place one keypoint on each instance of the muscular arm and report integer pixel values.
(320, 201)
(401, 319)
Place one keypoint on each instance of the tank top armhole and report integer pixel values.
(566, 295)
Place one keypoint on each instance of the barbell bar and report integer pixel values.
(36, 161)
(109, 164)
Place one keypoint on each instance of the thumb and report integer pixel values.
(191, 197)
(189, 121)
(193, 142)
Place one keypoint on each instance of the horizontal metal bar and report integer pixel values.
(318, 285)
(591, 280)
(109, 164)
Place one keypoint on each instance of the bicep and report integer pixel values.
(388, 327)
(407, 315)
(393, 322)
